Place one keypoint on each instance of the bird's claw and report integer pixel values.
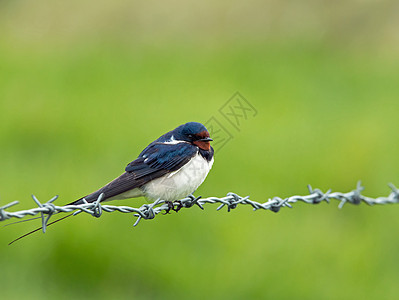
(179, 206)
(171, 206)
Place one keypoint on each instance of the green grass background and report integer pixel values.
(74, 113)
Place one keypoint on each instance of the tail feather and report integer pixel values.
(33, 231)
(89, 198)
(119, 185)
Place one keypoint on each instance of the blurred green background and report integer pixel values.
(86, 85)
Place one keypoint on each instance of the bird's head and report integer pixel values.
(195, 133)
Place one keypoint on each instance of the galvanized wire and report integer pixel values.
(231, 201)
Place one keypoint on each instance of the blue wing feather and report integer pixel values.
(158, 156)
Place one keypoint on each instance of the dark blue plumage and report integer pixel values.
(158, 156)
(184, 132)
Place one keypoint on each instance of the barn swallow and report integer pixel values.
(170, 168)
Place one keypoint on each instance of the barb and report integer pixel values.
(231, 201)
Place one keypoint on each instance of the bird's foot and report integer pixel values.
(170, 207)
(179, 205)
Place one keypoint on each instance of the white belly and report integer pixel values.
(180, 183)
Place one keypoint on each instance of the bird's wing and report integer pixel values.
(158, 156)
(155, 161)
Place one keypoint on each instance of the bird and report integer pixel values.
(169, 168)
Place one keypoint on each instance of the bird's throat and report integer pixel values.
(203, 145)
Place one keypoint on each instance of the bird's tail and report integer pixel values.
(33, 231)
(89, 198)
(93, 197)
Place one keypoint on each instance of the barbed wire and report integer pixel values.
(231, 201)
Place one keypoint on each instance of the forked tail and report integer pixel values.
(33, 231)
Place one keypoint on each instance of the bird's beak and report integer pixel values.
(207, 139)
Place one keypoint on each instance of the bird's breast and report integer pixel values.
(180, 183)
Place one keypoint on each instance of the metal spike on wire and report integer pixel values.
(231, 201)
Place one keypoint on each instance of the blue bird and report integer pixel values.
(170, 168)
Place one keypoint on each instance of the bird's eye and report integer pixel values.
(190, 136)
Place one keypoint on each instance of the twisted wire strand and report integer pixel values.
(231, 201)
